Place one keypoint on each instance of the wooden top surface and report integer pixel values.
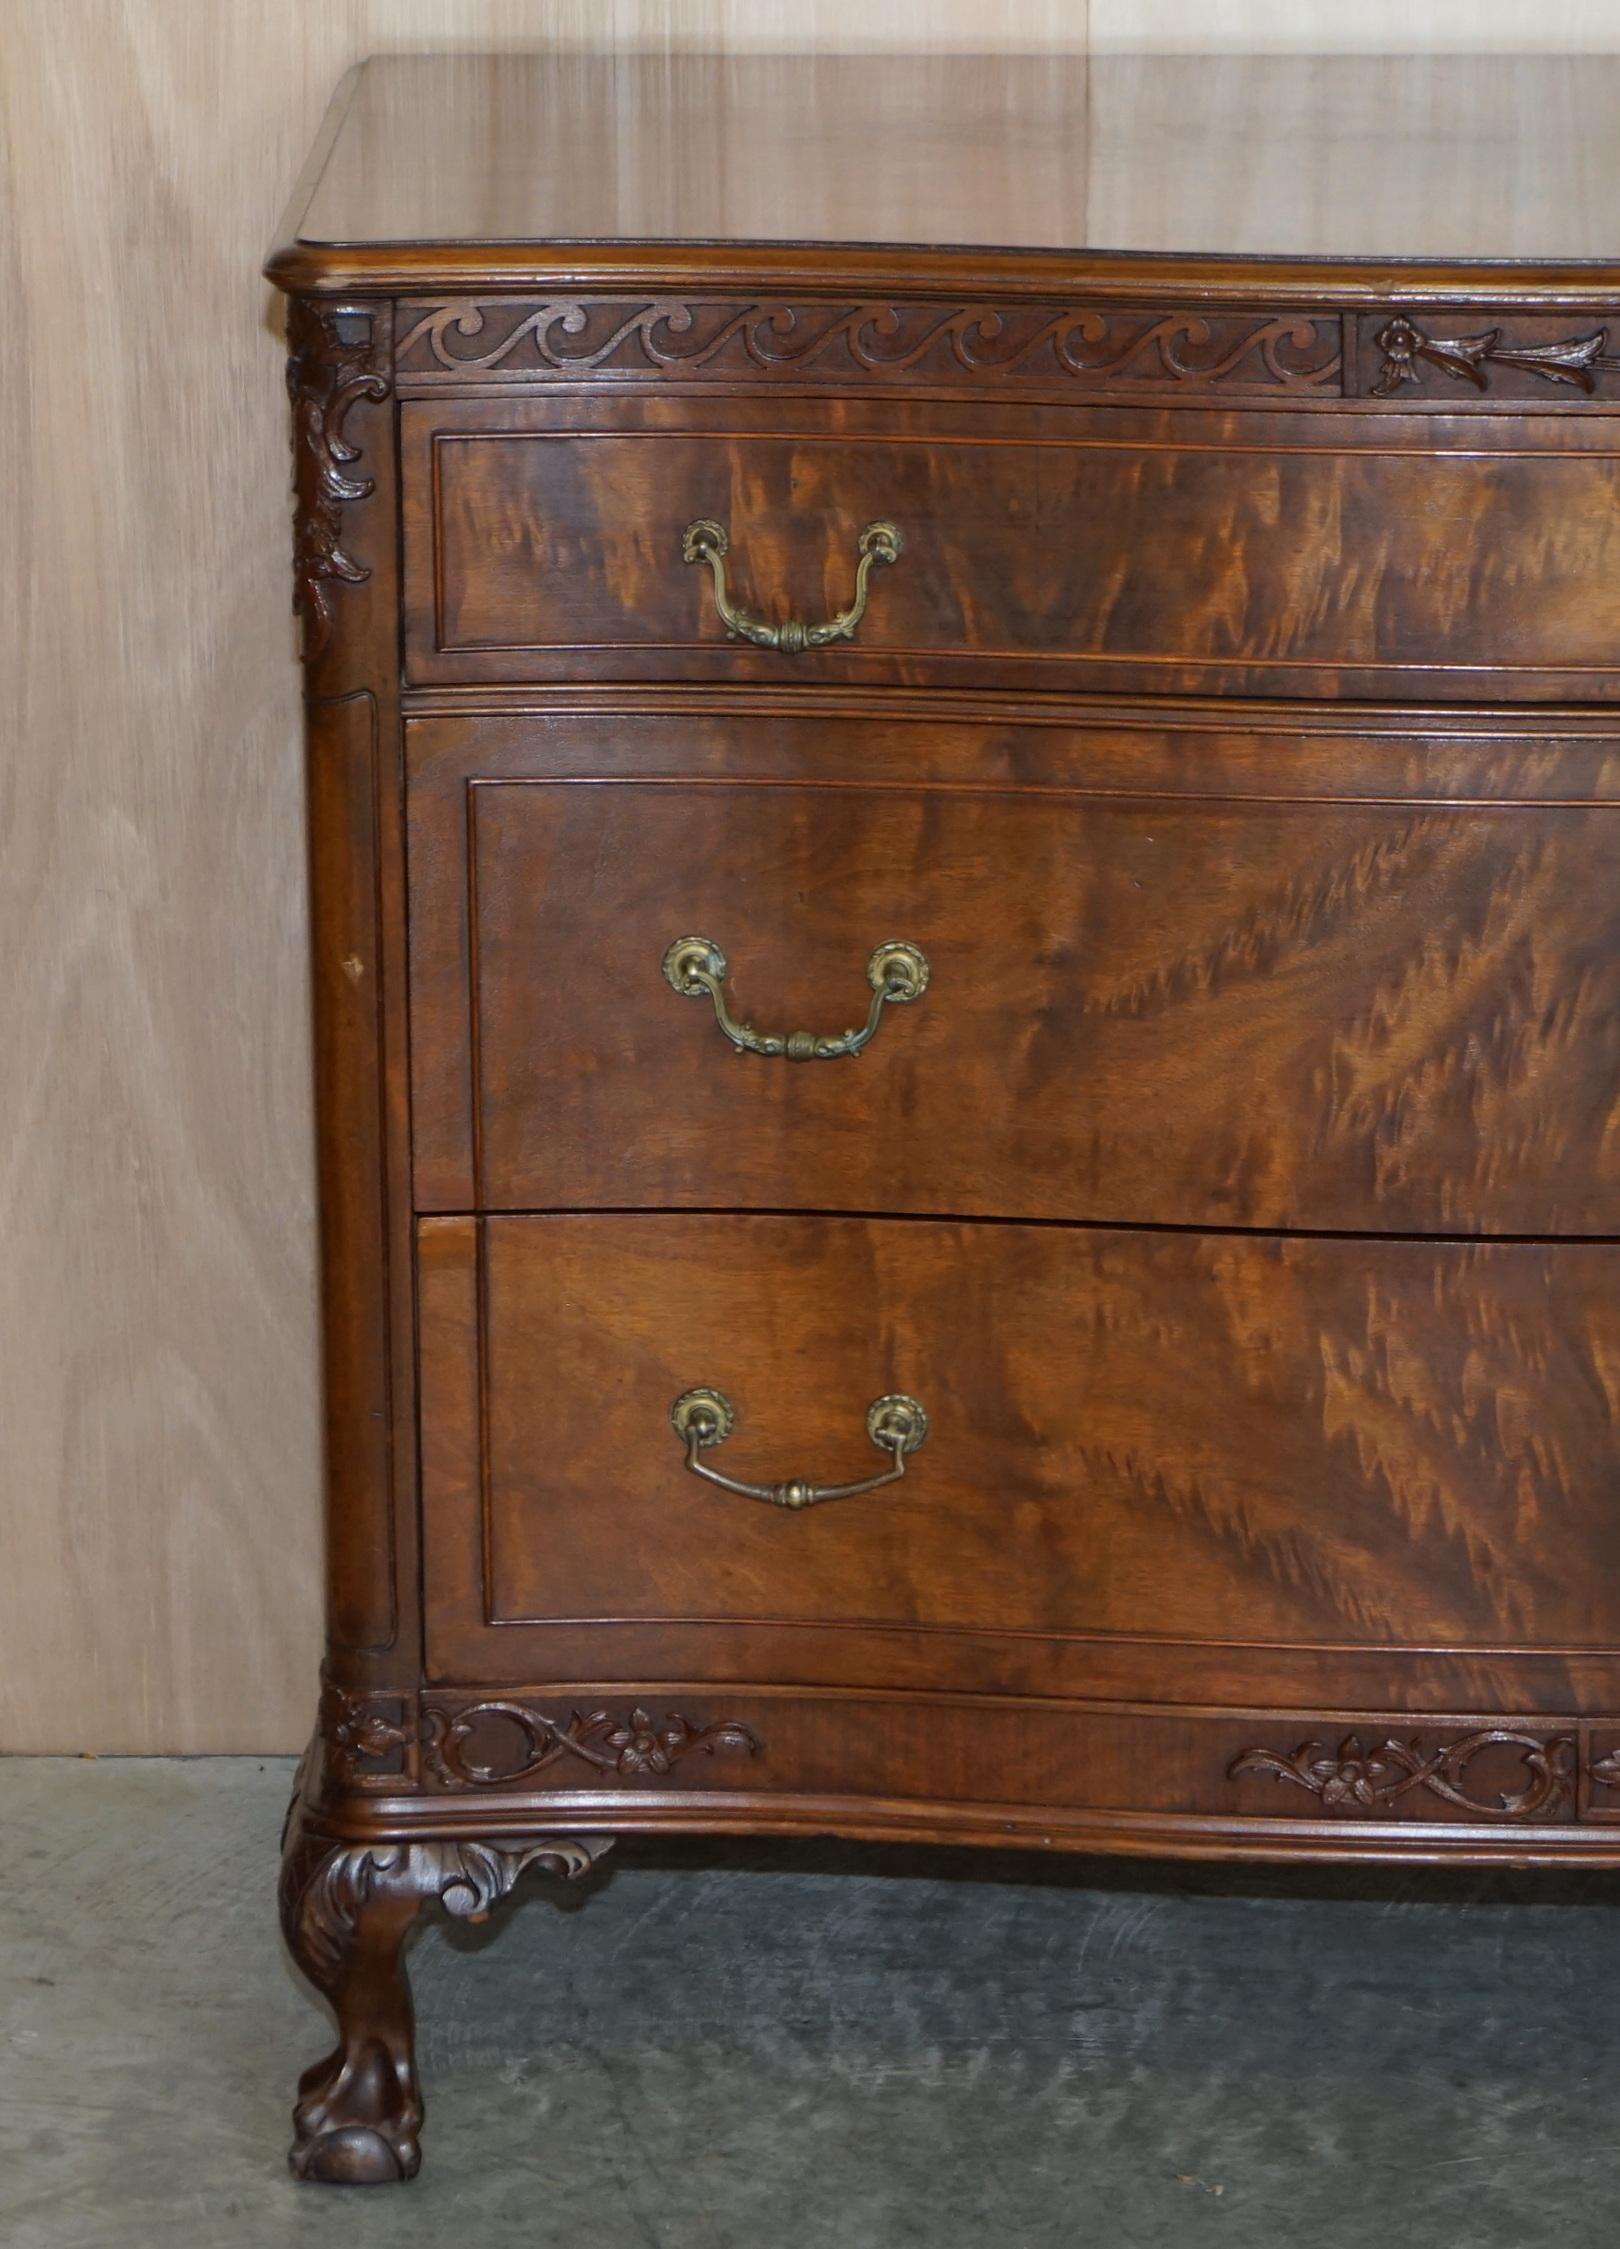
(436, 165)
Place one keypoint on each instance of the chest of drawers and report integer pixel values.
(967, 980)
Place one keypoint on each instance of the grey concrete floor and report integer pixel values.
(742, 2047)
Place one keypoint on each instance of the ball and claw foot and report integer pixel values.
(358, 2118)
(346, 1910)
(352, 2155)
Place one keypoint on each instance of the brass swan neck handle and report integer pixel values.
(708, 541)
(703, 1418)
(897, 972)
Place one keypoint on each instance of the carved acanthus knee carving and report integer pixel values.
(346, 1909)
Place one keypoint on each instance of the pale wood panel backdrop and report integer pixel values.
(157, 1392)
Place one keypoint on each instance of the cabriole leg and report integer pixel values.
(346, 1909)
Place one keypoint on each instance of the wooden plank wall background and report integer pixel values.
(158, 1463)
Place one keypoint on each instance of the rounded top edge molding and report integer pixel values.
(408, 268)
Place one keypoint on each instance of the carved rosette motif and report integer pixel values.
(1355, 1779)
(368, 1739)
(332, 363)
(981, 344)
(632, 1746)
(1606, 1769)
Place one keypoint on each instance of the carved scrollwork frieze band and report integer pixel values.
(334, 360)
(505, 1744)
(1356, 1779)
(983, 345)
(393, 1743)
(1259, 352)
(444, 1742)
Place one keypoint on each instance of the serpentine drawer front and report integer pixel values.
(1187, 1436)
(1066, 547)
(1006, 1001)
(967, 974)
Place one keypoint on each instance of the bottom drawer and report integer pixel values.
(1190, 1448)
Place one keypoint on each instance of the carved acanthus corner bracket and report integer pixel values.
(333, 362)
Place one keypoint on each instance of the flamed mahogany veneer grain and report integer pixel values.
(1204, 1438)
(1086, 548)
(1347, 1017)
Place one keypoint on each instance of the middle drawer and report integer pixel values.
(1370, 1017)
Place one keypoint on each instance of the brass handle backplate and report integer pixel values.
(707, 541)
(897, 973)
(702, 1418)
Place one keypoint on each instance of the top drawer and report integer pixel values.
(1353, 552)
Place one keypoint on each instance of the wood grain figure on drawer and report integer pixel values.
(1370, 1017)
(1100, 548)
